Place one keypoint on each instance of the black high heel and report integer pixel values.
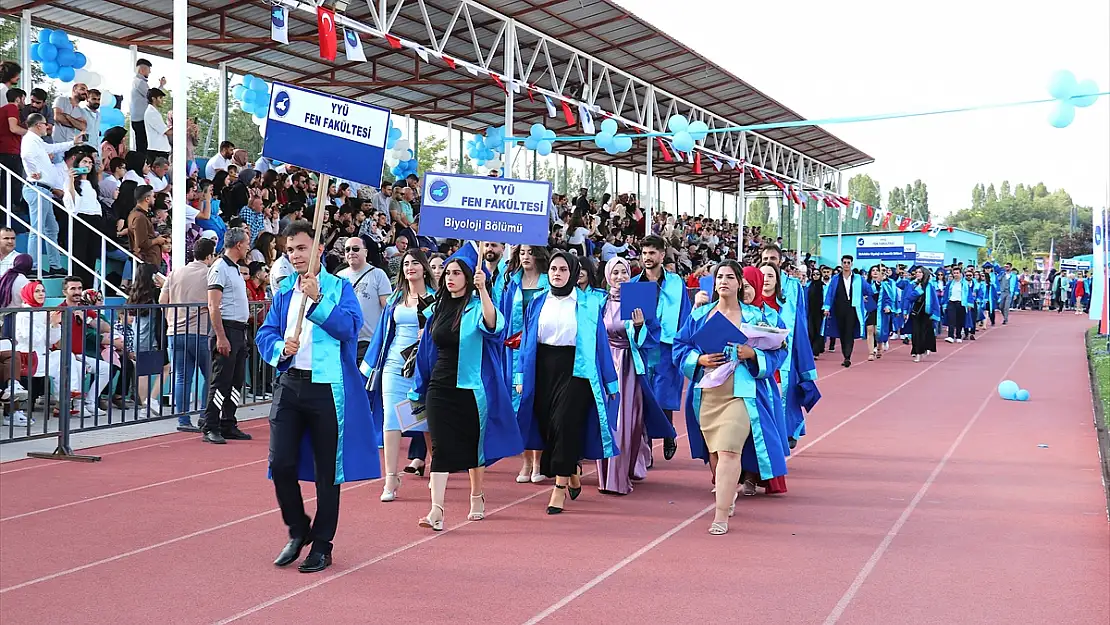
(554, 509)
(575, 492)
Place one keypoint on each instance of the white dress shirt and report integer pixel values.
(558, 322)
(216, 163)
(85, 203)
(956, 294)
(303, 358)
(847, 284)
(36, 155)
(156, 128)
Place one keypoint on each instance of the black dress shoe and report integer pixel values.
(670, 446)
(315, 562)
(291, 552)
(793, 442)
(214, 437)
(235, 434)
(188, 428)
(847, 363)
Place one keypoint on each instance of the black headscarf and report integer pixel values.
(572, 281)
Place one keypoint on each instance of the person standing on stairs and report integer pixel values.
(46, 182)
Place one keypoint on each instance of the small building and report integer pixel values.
(908, 248)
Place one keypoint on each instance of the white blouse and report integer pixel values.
(85, 203)
(558, 322)
(33, 333)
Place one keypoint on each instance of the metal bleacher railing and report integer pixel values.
(109, 248)
(71, 369)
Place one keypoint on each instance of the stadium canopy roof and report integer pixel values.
(590, 52)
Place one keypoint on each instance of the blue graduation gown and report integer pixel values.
(374, 360)
(798, 373)
(510, 302)
(479, 371)
(655, 421)
(672, 310)
(765, 450)
(337, 318)
(881, 300)
(860, 290)
(592, 362)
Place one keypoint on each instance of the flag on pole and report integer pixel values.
(1097, 311)
(325, 26)
(279, 24)
(352, 45)
(663, 148)
(857, 208)
(422, 53)
(551, 112)
(877, 219)
(587, 120)
(934, 231)
(1051, 260)
(394, 42)
(567, 113)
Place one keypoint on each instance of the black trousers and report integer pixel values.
(86, 248)
(139, 130)
(225, 390)
(15, 164)
(957, 315)
(300, 406)
(847, 325)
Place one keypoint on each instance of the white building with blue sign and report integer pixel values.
(904, 248)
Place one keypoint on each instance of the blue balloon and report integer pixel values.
(1085, 93)
(249, 97)
(537, 130)
(677, 123)
(683, 141)
(1062, 115)
(544, 148)
(1062, 84)
(49, 68)
(66, 58)
(1008, 389)
(698, 130)
(44, 35)
(48, 52)
(395, 133)
(623, 144)
(612, 149)
(609, 127)
(603, 140)
(59, 38)
(80, 60)
(35, 52)
(548, 134)
(66, 74)
(531, 142)
(65, 45)
(238, 91)
(1022, 395)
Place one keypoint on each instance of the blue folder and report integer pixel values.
(716, 334)
(642, 295)
(705, 283)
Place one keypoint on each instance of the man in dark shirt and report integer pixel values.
(145, 242)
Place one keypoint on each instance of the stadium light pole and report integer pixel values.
(180, 121)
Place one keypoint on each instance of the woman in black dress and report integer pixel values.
(458, 377)
(924, 310)
(815, 299)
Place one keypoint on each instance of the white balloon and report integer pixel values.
(390, 159)
(81, 75)
(399, 155)
(93, 80)
(402, 146)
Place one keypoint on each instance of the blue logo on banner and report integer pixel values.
(278, 16)
(859, 241)
(281, 103)
(439, 190)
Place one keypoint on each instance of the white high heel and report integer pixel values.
(537, 477)
(525, 475)
(428, 522)
(387, 494)
(477, 507)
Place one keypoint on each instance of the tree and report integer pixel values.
(896, 203)
(203, 102)
(1029, 220)
(917, 200)
(9, 51)
(431, 155)
(759, 212)
(594, 178)
(862, 188)
(466, 166)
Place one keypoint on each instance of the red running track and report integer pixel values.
(918, 496)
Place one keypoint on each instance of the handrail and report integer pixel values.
(104, 239)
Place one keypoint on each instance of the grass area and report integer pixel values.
(1096, 348)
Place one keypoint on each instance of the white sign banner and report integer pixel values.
(1099, 278)
(338, 117)
(892, 240)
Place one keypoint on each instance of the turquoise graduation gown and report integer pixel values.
(672, 310)
(337, 319)
(860, 290)
(798, 373)
(753, 381)
(479, 371)
(593, 362)
(374, 361)
(932, 303)
(881, 301)
(510, 302)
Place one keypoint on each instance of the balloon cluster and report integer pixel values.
(686, 133)
(1069, 94)
(1010, 391)
(254, 98)
(392, 135)
(405, 160)
(486, 150)
(610, 143)
(59, 60)
(539, 139)
(110, 116)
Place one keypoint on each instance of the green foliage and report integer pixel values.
(862, 188)
(759, 212)
(1100, 365)
(1025, 221)
(431, 155)
(204, 99)
(9, 51)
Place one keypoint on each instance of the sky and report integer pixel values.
(859, 57)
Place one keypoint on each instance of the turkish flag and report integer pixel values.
(325, 24)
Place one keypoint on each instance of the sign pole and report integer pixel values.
(314, 259)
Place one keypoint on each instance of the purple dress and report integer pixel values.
(615, 475)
